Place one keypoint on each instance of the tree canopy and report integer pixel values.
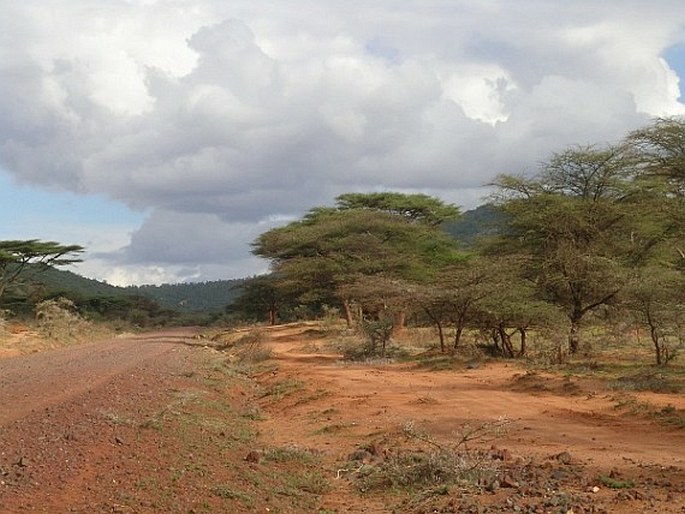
(20, 258)
(594, 229)
(365, 235)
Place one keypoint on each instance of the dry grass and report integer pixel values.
(429, 465)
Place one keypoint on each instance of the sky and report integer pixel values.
(166, 135)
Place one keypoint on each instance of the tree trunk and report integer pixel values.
(457, 335)
(522, 352)
(506, 341)
(272, 314)
(347, 309)
(494, 334)
(574, 335)
(435, 318)
(459, 326)
(654, 334)
(441, 335)
(399, 322)
(658, 350)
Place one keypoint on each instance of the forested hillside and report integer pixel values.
(191, 297)
(476, 223)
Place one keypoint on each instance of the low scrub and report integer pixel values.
(615, 483)
(291, 454)
(244, 348)
(668, 415)
(432, 464)
(420, 469)
(360, 348)
(652, 381)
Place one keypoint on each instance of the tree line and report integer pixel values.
(595, 233)
(29, 277)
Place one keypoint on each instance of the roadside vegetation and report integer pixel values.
(583, 254)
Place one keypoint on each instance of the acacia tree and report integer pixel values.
(505, 304)
(451, 298)
(657, 299)
(660, 151)
(331, 248)
(260, 297)
(417, 207)
(574, 222)
(21, 259)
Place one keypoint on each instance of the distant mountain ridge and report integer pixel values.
(192, 296)
(482, 221)
(189, 297)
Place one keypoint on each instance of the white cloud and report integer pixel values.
(217, 116)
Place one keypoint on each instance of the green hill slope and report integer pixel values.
(479, 222)
(191, 297)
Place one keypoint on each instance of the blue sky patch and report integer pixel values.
(675, 56)
(23, 206)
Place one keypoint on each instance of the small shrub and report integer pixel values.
(377, 334)
(668, 415)
(330, 319)
(58, 319)
(421, 469)
(254, 413)
(290, 454)
(646, 381)
(355, 348)
(436, 465)
(330, 429)
(283, 388)
(253, 352)
(228, 493)
(243, 348)
(613, 483)
(4, 314)
(312, 482)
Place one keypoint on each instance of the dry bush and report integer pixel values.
(548, 348)
(331, 322)
(418, 339)
(4, 314)
(244, 348)
(647, 380)
(435, 464)
(59, 320)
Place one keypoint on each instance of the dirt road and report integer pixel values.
(150, 424)
(32, 382)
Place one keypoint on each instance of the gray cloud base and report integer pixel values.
(269, 111)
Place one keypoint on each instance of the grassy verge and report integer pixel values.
(209, 457)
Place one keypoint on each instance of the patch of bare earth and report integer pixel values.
(160, 423)
(567, 448)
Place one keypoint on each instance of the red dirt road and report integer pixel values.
(32, 382)
(109, 427)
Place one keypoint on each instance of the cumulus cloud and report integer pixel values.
(219, 117)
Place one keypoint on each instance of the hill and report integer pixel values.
(190, 297)
(57, 281)
(482, 221)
